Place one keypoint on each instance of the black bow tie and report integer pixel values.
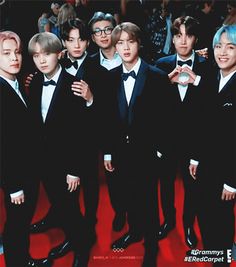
(68, 63)
(49, 82)
(188, 62)
(126, 75)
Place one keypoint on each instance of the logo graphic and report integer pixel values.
(234, 251)
(2, 2)
(231, 253)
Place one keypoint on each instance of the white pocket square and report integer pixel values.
(159, 155)
(227, 104)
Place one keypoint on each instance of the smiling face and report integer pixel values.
(128, 50)
(10, 60)
(225, 55)
(75, 45)
(184, 43)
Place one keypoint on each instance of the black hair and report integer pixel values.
(75, 24)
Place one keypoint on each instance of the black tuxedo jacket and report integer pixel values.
(144, 121)
(82, 68)
(216, 151)
(185, 112)
(61, 137)
(17, 142)
(96, 77)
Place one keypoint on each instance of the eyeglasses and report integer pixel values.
(98, 32)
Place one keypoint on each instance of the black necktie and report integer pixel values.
(68, 63)
(49, 82)
(126, 75)
(181, 63)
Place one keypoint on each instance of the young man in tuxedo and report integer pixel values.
(184, 69)
(132, 146)
(19, 180)
(60, 119)
(101, 26)
(75, 38)
(214, 166)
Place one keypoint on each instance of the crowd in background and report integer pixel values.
(153, 17)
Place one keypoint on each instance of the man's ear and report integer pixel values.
(59, 55)
(63, 43)
(88, 44)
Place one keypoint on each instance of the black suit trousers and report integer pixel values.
(65, 206)
(134, 186)
(16, 230)
(171, 167)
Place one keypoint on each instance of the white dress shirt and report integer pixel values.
(47, 94)
(129, 83)
(183, 88)
(110, 63)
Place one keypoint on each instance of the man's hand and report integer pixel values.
(18, 200)
(72, 182)
(192, 75)
(29, 79)
(108, 165)
(193, 170)
(227, 195)
(202, 52)
(174, 75)
(82, 89)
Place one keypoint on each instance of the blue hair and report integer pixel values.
(230, 31)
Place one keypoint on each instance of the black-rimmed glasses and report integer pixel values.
(98, 32)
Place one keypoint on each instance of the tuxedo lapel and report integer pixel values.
(172, 61)
(197, 68)
(57, 90)
(37, 98)
(138, 88)
(228, 85)
(14, 94)
(80, 72)
(122, 101)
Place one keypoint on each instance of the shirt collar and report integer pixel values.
(12, 83)
(102, 58)
(191, 58)
(227, 77)
(55, 77)
(135, 67)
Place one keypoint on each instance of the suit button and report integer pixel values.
(127, 139)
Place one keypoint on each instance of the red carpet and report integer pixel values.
(172, 249)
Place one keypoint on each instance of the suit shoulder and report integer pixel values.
(94, 56)
(166, 63)
(162, 60)
(156, 70)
